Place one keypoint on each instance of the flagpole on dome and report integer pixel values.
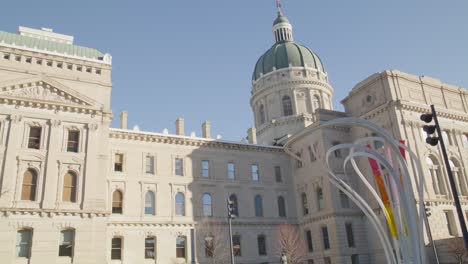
(278, 5)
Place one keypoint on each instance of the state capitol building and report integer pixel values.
(75, 190)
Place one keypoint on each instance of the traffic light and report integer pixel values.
(430, 130)
(231, 208)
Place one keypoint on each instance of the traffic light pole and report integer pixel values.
(230, 216)
(461, 219)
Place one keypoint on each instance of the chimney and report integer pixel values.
(252, 135)
(179, 123)
(123, 119)
(206, 129)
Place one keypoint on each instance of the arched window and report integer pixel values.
(207, 205)
(28, 191)
(305, 204)
(235, 206)
(23, 243)
(287, 106)
(149, 203)
(316, 102)
(67, 239)
(281, 207)
(69, 187)
(459, 177)
(180, 204)
(438, 181)
(320, 203)
(117, 202)
(258, 206)
(261, 114)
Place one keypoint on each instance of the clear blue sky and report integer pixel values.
(194, 59)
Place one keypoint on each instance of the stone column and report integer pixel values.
(49, 196)
(206, 129)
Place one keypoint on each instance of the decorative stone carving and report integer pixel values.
(55, 123)
(41, 93)
(16, 118)
(92, 127)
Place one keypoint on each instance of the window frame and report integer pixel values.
(116, 211)
(71, 244)
(74, 188)
(283, 206)
(205, 206)
(178, 206)
(325, 238)
(262, 248)
(258, 205)
(237, 251)
(231, 172)
(350, 235)
(77, 144)
(184, 247)
(205, 172)
(117, 249)
(151, 210)
(150, 249)
(122, 164)
(179, 171)
(34, 194)
(255, 172)
(278, 174)
(30, 231)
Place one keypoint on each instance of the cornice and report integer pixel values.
(50, 213)
(283, 83)
(287, 120)
(130, 135)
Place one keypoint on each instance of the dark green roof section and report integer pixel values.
(280, 19)
(50, 46)
(283, 54)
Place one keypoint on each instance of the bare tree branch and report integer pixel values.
(291, 244)
(215, 242)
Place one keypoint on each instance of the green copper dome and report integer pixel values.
(283, 54)
(280, 19)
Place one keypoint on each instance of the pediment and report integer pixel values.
(45, 90)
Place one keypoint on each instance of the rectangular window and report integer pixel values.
(349, 234)
(149, 164)
(28, 60)
(180, 247)
(310, 261)
(116, 250)
(231, 171)
(23, 243)
(278, 174)
(59, 64)
(179, 167)
(337, 152)
(312, 154)
(261, 245)
(326, 239)
(205, 169)
(118, 162)
(150, 248)
(66, 243)
(354, 259)
(465, 140)
(236, 242)
(451, 226)
(49, 63)
(255, 174)
(310, 246)
(299, 160)
(34, 141)
(70, 66)
(344, 200)
(327, 260)
(18, 58)
(39, 61)
(73, 141)
(446, 137)
(6, 56)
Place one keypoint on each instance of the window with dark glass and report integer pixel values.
(261, 242)
(179, 167)
(236, 242)
(116, 250)
(258, 206)
(354, 259)
(28, 191)
(278, 175)
(117, 202)
(23, 243)
(150, 248)
(67, 238)
(281, 207)
(69, 187)
(261, 113)
(320, 202)
(327, 260)
(349, 234)
(305, 204)
(118, 162)
(73, 141)
(310, 245)
(298, 160)
(205, 169)
(287, 106)
(180, 247)
(312, 154)
(34, 141)
(326, 239)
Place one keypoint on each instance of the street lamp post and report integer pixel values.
(230, 210)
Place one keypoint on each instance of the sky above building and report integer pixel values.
(194, 59)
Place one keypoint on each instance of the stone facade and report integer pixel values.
(75, 190)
